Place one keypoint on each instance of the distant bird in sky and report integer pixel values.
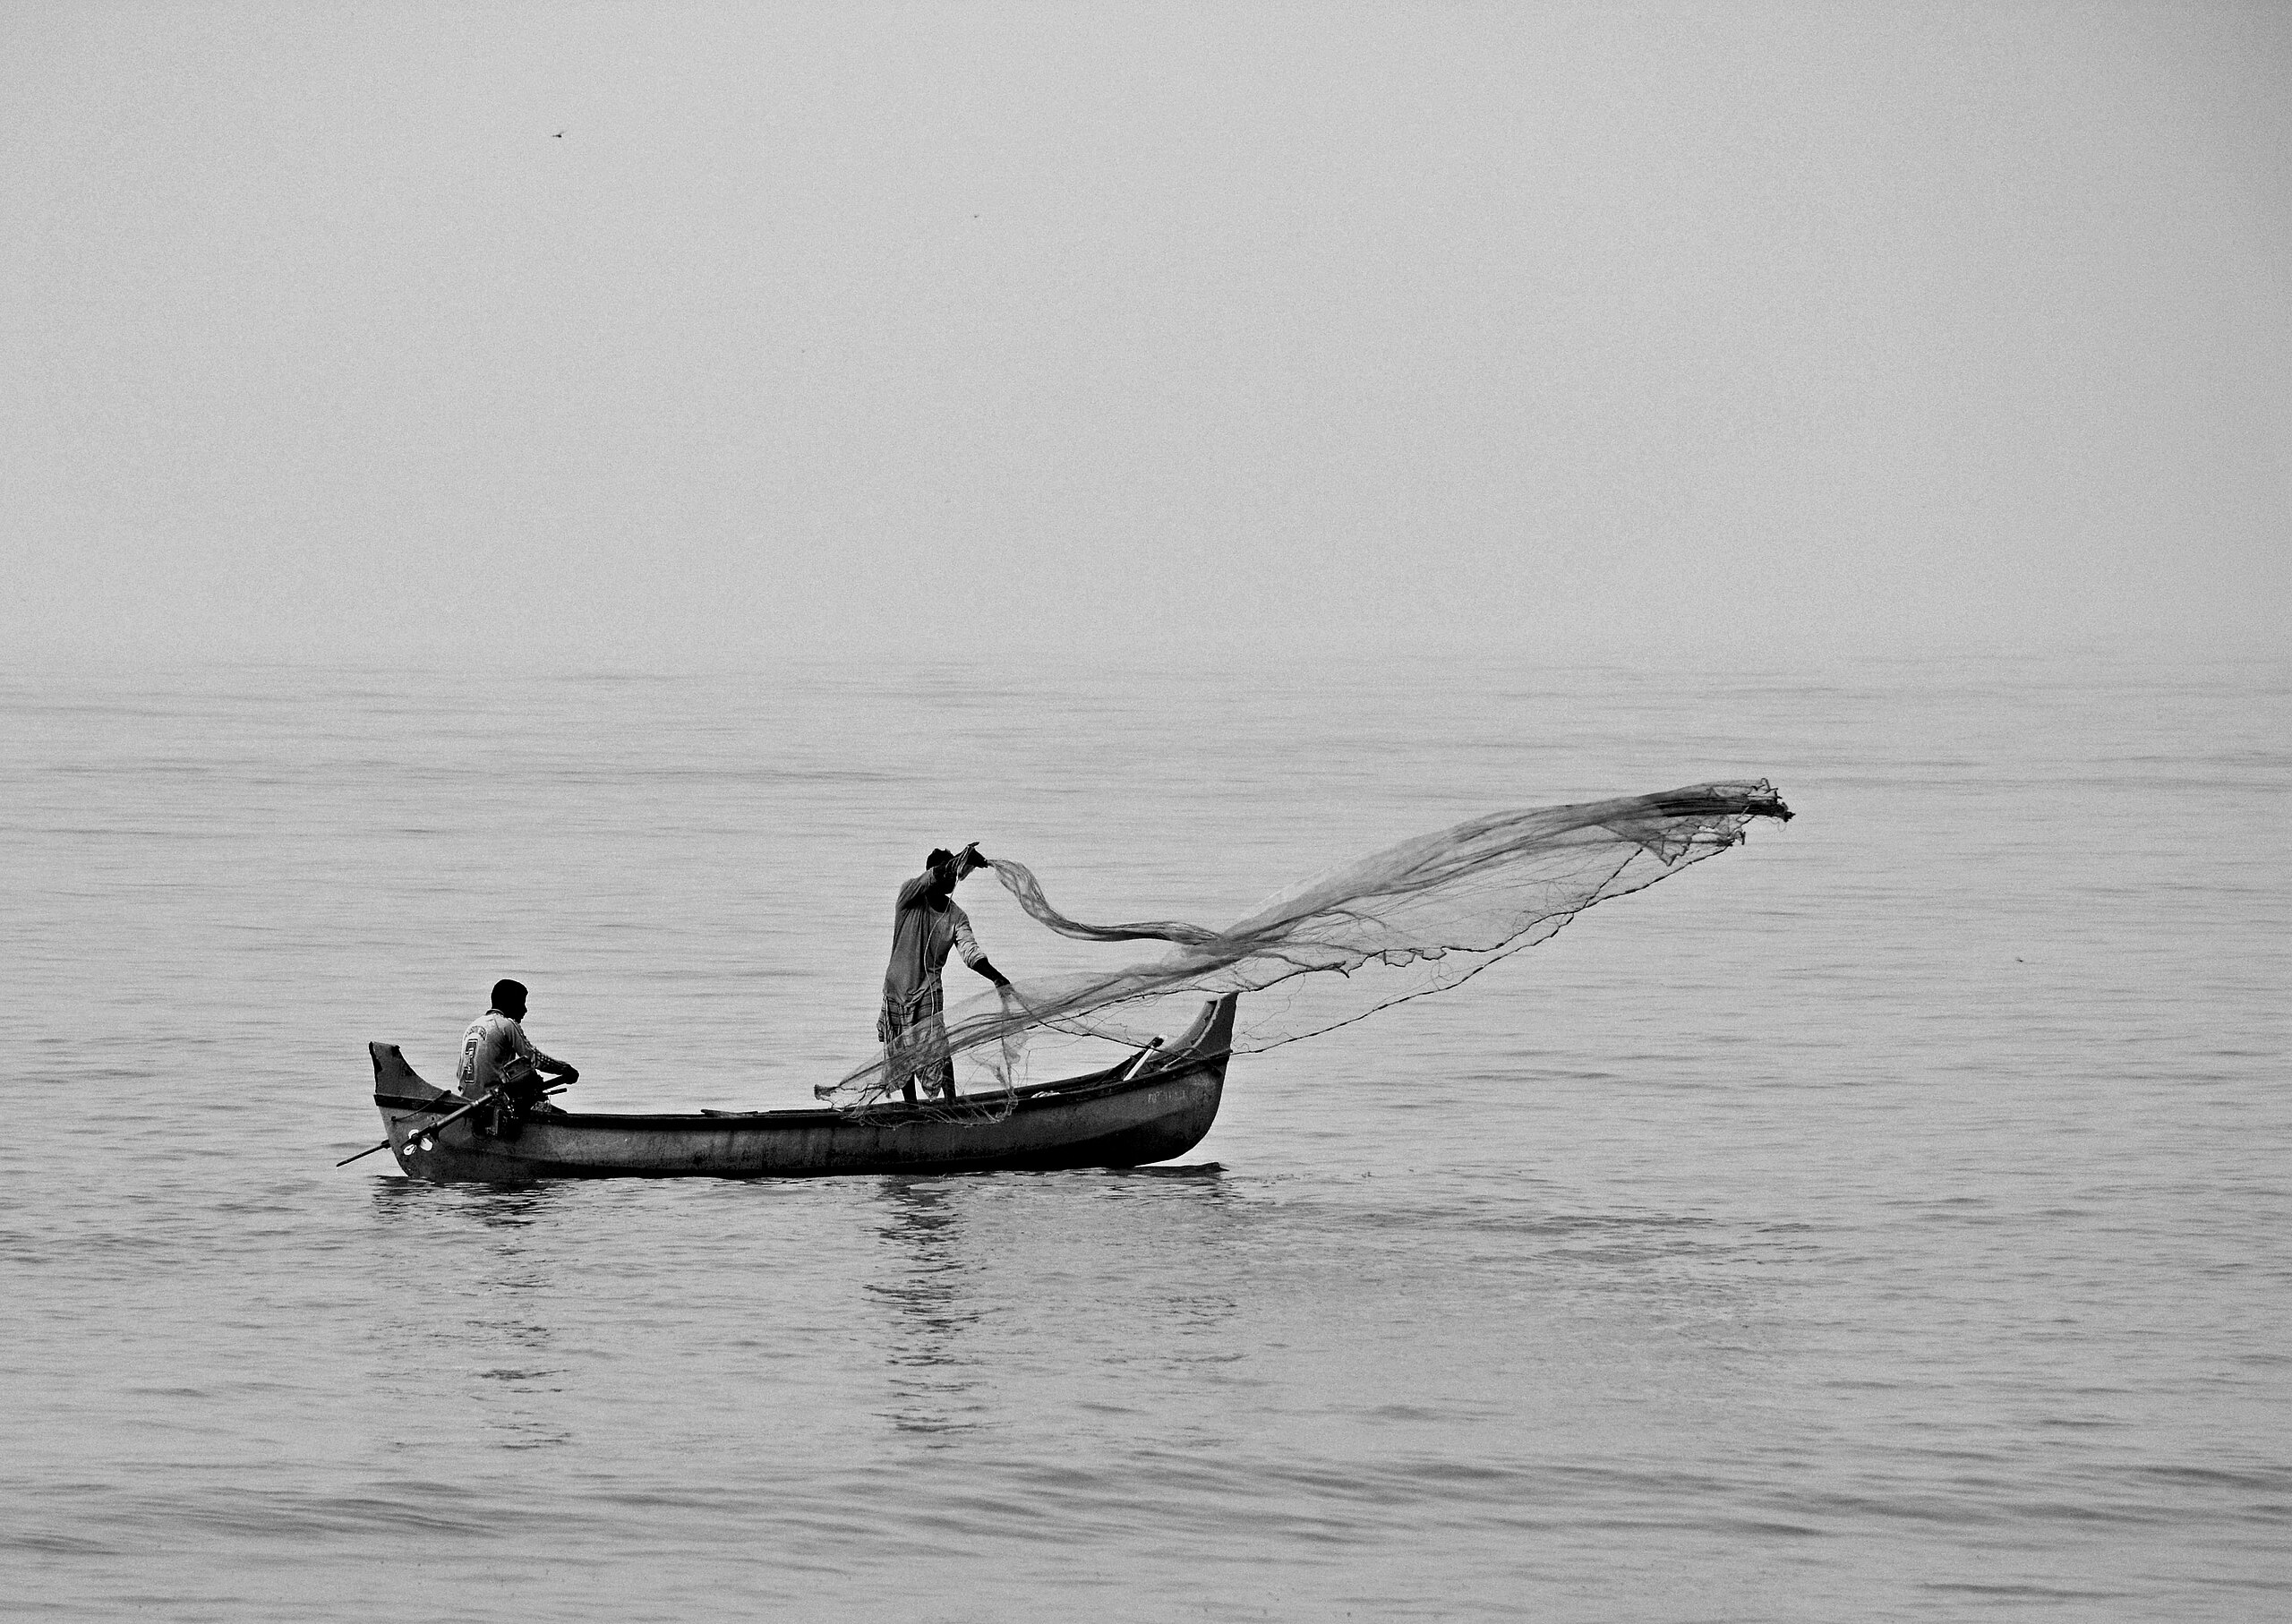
(559, 136)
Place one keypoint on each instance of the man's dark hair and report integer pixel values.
(940, 857)
(509, 998)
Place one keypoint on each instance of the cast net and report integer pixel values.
(1412, 919)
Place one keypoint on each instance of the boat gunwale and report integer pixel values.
(1190, 1056)
(980, 1108)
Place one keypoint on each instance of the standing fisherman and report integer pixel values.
(926, 925)
(498, 1059)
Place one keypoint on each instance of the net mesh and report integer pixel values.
(1416, 917)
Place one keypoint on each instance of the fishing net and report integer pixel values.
(1412, 919)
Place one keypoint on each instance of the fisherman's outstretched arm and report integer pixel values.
(988, 970)
(967, 945)
(536, 1059)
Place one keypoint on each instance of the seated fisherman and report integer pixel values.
(498, 1059)
(926, 926)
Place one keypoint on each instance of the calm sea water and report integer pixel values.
(1888, 1219)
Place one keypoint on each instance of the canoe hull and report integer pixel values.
(1105, 1120)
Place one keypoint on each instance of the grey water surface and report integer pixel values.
(1887, 1219)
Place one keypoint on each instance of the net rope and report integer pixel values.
(1419, 917)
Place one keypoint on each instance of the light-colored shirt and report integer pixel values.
(492, 1040)
(922, 937)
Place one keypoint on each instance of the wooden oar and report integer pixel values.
(433, 1128)
(441, 1122)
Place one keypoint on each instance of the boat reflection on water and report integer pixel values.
(473, 1317)
(922, 1220)
(486, 1297)
(971, 1253)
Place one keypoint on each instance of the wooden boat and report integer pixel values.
(1149, 1109)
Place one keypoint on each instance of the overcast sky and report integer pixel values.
(1585, 330)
